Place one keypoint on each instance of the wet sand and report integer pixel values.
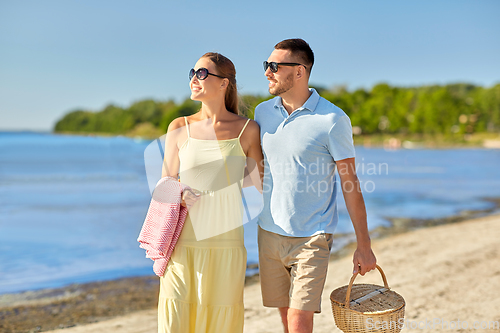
(445, 273)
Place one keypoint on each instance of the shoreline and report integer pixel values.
(81, 304)
(400, 225)
(484, 140)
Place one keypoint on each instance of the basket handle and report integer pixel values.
(348, 294)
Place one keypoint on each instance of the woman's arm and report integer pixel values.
(254, 171)
(176, 135)
(171, 161)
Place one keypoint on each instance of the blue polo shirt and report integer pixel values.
(300, 150)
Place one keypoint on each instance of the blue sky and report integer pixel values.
(59, 55)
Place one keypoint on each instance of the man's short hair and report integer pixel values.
(299, 48)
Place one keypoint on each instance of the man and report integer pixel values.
(303, 138)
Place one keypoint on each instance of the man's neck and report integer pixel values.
(294, 99)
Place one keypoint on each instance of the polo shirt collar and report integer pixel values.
(309, 105)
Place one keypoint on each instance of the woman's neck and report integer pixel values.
(214, 110)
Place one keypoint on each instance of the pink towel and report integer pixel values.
(163, 224)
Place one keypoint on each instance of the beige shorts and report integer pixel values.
(293, 269)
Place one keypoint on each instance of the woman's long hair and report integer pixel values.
(225, 68)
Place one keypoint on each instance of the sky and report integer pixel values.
(61, 55)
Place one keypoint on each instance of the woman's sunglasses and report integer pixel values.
(201, 74)
(273, 66)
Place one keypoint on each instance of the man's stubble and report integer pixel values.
(282, 87)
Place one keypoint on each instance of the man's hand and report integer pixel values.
(364, 260)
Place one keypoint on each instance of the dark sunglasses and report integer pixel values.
(201, 74)
(273, 66)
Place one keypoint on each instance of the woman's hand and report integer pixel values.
(189, 198)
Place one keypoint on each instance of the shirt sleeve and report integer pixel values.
(340, 142)
(256, 114)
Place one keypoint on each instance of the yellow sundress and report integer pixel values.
(202, 288)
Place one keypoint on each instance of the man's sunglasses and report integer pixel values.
(273, 66)
(201, 74)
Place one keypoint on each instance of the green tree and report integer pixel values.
(450, 110)
(187, 108)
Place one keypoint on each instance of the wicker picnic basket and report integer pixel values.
(367, 307)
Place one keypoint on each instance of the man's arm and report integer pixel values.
(363, 256)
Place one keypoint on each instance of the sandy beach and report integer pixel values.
(448, 273)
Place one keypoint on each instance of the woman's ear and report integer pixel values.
(224, 84)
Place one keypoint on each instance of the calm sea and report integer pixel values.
(71, 207)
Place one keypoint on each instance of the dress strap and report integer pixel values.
(227, 172)
(187, 126)
(243, 128)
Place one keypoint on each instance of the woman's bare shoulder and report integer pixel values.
(176, 124)
(253, 126)
(252, 130)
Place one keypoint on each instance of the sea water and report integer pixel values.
(72, 207)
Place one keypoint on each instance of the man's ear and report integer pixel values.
(301, 72)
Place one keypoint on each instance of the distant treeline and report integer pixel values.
(452, 109)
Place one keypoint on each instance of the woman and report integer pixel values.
(202, 288)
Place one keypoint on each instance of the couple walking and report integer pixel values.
(202, 288)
